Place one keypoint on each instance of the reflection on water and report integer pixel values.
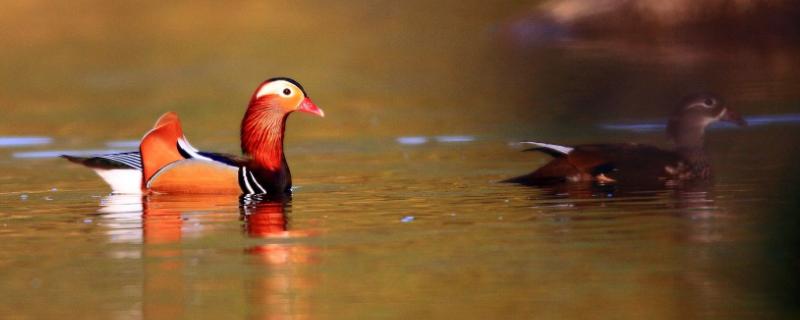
(280, 290)
(412, 140)
(274, 287)
(58, 153)
(132, 144)
(24, 141)
(417, 140)
(638, 240)
(660, 125)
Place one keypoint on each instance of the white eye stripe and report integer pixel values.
(275, 87)
(699, 105)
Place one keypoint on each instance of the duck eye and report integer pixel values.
(709, 102)
(287, 92)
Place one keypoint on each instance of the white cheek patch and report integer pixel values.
(275, 87)
(721, 114)
(708, 121)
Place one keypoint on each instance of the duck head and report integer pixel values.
(283, 96)
(686, 126)
(265, 119)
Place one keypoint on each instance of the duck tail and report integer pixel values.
(553, 150)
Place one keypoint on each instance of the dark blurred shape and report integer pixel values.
(779, 261)
(649, 20)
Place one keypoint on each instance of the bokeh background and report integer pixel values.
(388, 67)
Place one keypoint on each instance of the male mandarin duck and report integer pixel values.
(167, 163)
(634, 163)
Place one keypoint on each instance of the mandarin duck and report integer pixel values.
(638, 163)
(167, 163)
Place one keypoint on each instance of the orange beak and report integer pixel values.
(308, 106)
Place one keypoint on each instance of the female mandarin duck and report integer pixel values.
(167, 163)
(634, 163)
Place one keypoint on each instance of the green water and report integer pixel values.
(397, 212)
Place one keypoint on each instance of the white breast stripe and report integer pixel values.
(243, 172)
(255, 182)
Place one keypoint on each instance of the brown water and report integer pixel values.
(397, 212)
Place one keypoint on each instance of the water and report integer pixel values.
(397, 211)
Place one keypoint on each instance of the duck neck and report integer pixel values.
(262, 138)
(688, 137)
(690, 144)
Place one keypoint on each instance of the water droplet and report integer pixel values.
(407, 219)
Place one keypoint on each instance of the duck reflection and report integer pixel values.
(166, 220)
(682, 195)
(275, 290)
(684, 225)
(280, 289)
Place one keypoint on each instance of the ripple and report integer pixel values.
(418, 140)
(651, 126)
(57, 153)
(123, 144)
(412, 140)
(451, 139)
(775, 118)
(21, 141)
(635, 127)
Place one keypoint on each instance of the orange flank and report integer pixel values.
(195, 176)
(158, 147)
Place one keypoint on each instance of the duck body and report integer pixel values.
(167, 163)
(610, 163)
(123, 171)
(633, 163)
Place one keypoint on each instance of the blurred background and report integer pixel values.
(389, 67)
(422, 99)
